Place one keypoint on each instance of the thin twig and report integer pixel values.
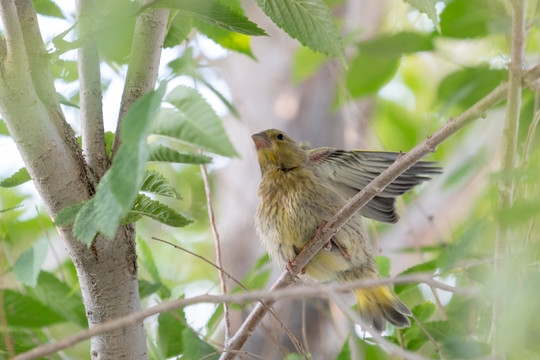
(269, 309)
(217, 244)
(91, 107)
(327, 231)
(268, 297)
(431, 339)
(529, 140)
(508, 159)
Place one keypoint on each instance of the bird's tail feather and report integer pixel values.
(378, 305)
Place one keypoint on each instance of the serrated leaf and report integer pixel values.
(67, 215)
(154, 209)
(171, 328)
(194, 123)
(217, 14)
(428, 8)
(118, 188)
(178, 30)
(194, 348)
(227, 39)
(61, 298)
(156, 183)
(20, 177)
(308, 21)
(23, 311)
(28, 265)
(160, 153)
(383, 263)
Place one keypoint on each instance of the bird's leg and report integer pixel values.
(289, 267)
(343, 250)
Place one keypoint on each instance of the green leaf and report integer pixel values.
(428, 266)
(381, 70)
(61, 298)
(456, 348)
(23, 311)
(28, 265)
(378, 60)
(383, 263)
(217, 14)
(397, 44)
(67, 215)
(109, 138)
(3, 128)
(178, 30)
(466, 87)
(156, 183)
(194, 348)
(306, 63)
(345, 353)
(158, 211)
(424, 311)
(118, 189)
(194, 123)
(160, 153)
(147, 288)
(474, 18)
(227, 39)
(308, 21)
(293, 356)
(48, 8)
(371, 352)
(10, 208)
(428, 8)
(258, 276)
(20, 177)
(171, 327)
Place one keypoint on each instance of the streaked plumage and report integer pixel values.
(301, 189)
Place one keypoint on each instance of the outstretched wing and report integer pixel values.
(350, 171)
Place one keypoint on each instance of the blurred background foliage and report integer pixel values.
(407, 68)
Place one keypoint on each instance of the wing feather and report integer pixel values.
(350, 171)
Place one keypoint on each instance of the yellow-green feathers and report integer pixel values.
(302, 189)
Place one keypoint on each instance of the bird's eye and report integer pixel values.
(281, 137)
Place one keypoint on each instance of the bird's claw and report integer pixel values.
(289, 267)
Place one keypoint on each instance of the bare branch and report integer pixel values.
(326, 232)
(91, 107)
(143, 61)
(223, 282)
(16, 54)
(38, 58)
(303, 291)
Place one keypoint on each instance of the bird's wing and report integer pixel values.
(350, 171)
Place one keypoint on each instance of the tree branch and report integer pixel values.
(327, 231)
(217, 243)
(38, 58)
(91, 107)
(303, 291)
(16, 55)
(508, 160)
(143, 61)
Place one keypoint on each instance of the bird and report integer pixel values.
(302, 188)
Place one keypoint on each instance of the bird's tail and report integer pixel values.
(378, 305)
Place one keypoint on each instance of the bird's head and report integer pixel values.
(277, 151)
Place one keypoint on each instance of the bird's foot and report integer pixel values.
(343, 251)
(289, 267)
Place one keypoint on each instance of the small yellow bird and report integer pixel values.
(301, 189)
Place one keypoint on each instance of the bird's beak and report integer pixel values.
(261, 141)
